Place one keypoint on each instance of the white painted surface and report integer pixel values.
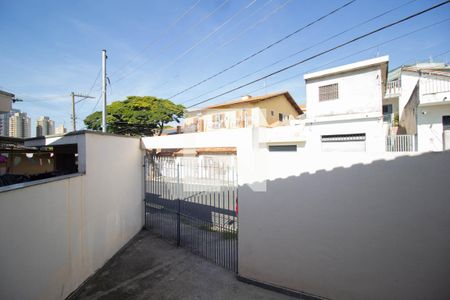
(55, 235)
(369, 229)
(360, 90)
(429, 127)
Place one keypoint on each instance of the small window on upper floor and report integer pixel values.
(328, 92)
(280, 117)
(272, 113)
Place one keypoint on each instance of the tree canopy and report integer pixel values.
(136, 115)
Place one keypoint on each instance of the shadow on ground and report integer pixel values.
(150, 268)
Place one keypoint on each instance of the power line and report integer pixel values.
(260, 21)
(210, 34)
(303, 50)
(325, 52)
(359, 52)
(264, 49)
(243, 31)
(126, 74)
(161, 35)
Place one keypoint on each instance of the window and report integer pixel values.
(280, 117)
(283, 148)
(344, 142)
(328, 92)
(272, 113)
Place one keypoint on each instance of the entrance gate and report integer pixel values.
(192, 202)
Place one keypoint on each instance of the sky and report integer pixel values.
(49, 49)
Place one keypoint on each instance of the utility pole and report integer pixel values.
(74, 116)
(104, 89)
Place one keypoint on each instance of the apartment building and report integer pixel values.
(4, 121)
(45, 126)
(20, 125)
(60, 129)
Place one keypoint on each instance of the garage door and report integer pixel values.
(344, 143)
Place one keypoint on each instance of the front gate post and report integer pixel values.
(178, 206)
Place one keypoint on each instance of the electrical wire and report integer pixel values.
(325, 52)
(302, 50)
(264, 49)
(241, 32)
(356, 53)
(164, 50)
(160, 36)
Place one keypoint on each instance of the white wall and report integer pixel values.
(409, 81)
(55, 235)
(429, 127)
(377, 230)
(360, 91)
(372, 127)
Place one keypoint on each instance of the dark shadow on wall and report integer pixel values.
(375, 231)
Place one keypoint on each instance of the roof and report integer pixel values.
(255, 99)
(6, 93)
(430, 68)
(349, 67)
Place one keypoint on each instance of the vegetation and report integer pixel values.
(142, 116)
(396, 119)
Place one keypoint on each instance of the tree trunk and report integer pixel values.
(161, 128)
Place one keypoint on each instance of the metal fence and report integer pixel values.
(192, 202)
(400, 143)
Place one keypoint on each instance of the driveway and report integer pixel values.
(150, 268)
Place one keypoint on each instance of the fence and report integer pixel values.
(192, 202)
(393, 88)
(400, 143)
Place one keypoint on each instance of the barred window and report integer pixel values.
(328, 92)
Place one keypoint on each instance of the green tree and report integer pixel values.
(136, 115)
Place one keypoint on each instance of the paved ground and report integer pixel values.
(150, 268)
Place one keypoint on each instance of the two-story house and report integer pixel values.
(420, 95)
(268, 110)
(345, 107)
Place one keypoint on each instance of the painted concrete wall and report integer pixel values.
(409, 81)
(377, 230)
(371, 126)
(429, 126)
(55, 235)
(360, 91)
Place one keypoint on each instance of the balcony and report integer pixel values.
(393, 89)
(434, 90)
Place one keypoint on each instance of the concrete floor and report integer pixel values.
(150, 268)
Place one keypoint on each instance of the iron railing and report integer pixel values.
(400, 143)
(192, 202)
(393, 88)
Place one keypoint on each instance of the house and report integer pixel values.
(420, 95)
(6, 100)
(345, 107)
(268, 110)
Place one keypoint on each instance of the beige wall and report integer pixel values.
(366, 231)
(256, 118)
(56, 234)
(278, 105)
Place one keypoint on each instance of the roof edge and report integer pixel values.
(348, 67)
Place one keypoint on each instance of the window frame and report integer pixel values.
(328, 95)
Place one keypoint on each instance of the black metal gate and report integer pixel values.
(192, 202)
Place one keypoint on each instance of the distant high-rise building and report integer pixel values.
(44, 126)
(4, 121)
(60, 129)
(19, 125)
